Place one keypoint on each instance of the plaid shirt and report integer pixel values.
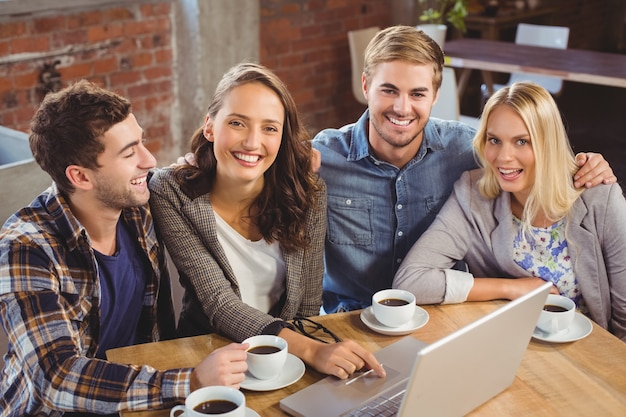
(49, 308)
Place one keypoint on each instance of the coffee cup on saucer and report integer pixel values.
(214, 400)
(557, 315)
(393, 307)
(266, 355)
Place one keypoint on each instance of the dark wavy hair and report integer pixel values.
(68, 127)
(290, 187)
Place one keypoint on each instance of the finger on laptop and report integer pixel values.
(368, 359)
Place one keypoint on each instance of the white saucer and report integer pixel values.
(251, 413)
(420, 318)
(292, 371)
(580, 328)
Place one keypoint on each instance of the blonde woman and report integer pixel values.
(521, 217)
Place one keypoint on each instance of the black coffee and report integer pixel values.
(215, 407)
(264, 350)
(393, 302)
(554, 308)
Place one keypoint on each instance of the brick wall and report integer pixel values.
(129, 49)
(306, 44)
(125, 49)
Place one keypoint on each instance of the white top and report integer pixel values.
(258, 266)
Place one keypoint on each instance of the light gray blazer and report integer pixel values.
(472, 228)
(212, 300)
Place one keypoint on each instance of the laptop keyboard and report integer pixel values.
(385, 405)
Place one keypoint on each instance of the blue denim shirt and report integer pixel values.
(376, 211)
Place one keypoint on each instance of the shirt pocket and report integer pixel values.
(349, 221)
(434, 203)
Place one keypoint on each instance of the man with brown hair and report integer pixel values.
(81, 271)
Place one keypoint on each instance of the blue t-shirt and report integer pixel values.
(376, 211)
(123, 279)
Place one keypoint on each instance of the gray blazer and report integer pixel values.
(212, 300)
(479, 231)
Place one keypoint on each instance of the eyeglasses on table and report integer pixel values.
(315, 330)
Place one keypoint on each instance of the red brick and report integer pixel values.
(124, 46)
(85, 19)
(4, 48)
(124, 78)
(150, 26)
(65, 38)
(156, 40)
(290, 9)
(163, 56)
(289, 61)
(6, 84)
(105, 65)
(142, 59)
(157, 73)
(12, 29)
(23, 116)
(117, 14)
(156, 9)
(49, 24)
(30, 44)
(25, 81)
(76, 71)
(106, 32)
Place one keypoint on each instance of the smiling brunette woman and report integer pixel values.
(246, 226)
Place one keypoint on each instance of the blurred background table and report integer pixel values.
(579, 65)
(581, 378)
(490, 27)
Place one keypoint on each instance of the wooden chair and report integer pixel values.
(358, 41)
(447, 106)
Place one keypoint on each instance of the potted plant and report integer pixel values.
(436, 13)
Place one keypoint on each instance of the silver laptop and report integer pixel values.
(449, 377)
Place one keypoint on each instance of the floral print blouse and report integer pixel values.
(543, 253)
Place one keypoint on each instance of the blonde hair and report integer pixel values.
(403, 43)
(553, 192)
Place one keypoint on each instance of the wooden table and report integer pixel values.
(569, 64)
(583, 378)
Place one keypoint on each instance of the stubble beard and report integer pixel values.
(397, 141)
(116, 198)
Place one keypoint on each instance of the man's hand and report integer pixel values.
(594, 170)
(224, 366)
(316, 160)
(189, 159)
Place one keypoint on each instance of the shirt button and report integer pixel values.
(400, 233)
(399, 206)
(399, 178)
(348, 202)
(399, 260)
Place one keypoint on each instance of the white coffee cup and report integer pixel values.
(557, 315)
(266, 355)
(216, 396)
(392, 307)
